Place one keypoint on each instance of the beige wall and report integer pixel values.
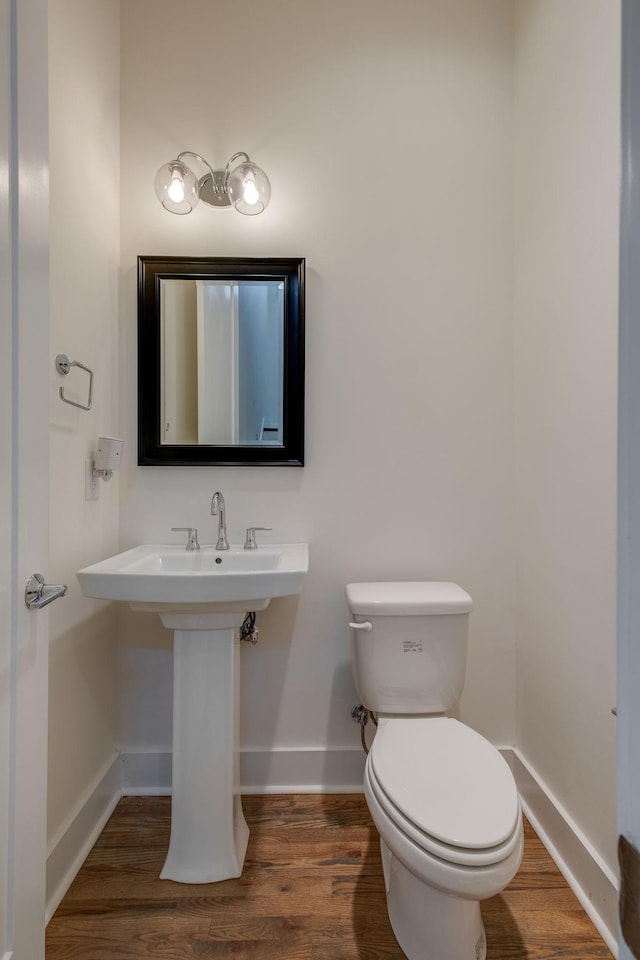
(566, 254)
(85, 208)
(386, 132)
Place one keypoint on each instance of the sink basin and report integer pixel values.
(160, 577)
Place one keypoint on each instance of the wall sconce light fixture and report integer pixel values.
(245, 186)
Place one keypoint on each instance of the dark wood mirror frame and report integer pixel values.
(151, 272)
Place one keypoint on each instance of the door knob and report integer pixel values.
(38, 594)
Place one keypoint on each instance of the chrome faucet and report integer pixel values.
(250, 542)
(218, 510)
(192, 537)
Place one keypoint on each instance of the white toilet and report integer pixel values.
(441, 796)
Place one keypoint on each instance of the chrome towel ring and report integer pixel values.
(63, 365)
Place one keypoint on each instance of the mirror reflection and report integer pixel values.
(221, 361)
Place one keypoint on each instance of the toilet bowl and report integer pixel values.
(441, 796)
(447, 810)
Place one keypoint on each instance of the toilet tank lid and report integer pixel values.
(414, 598)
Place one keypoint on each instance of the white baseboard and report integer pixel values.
(587, 874)
(71, 845)
(302, 771)
(261, 771)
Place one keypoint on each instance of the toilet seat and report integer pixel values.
(446, 788)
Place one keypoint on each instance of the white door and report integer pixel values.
(217, 348)
(24, 401)
(629, 442)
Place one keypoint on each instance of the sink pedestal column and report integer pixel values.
(208, 831)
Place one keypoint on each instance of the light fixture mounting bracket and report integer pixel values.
(213, 189)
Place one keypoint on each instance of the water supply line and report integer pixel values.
(248, 630)
(360, 714)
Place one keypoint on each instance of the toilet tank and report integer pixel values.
(409, 645)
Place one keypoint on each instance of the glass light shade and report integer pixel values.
(177, 187)
(249, 189)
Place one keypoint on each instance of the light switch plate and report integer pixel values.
(91, 488)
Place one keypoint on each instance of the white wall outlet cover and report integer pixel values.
(91, 486)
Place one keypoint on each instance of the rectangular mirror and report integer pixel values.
(220, 361)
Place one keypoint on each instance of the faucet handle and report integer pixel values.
(192, 537)
(250, 540)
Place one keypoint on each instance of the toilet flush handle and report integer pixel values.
(361, 626)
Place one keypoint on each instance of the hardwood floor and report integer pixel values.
(311, 890)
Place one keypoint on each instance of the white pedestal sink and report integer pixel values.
(203, 597)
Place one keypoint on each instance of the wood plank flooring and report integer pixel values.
(311, 889)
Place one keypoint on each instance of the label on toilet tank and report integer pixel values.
(412, 646)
